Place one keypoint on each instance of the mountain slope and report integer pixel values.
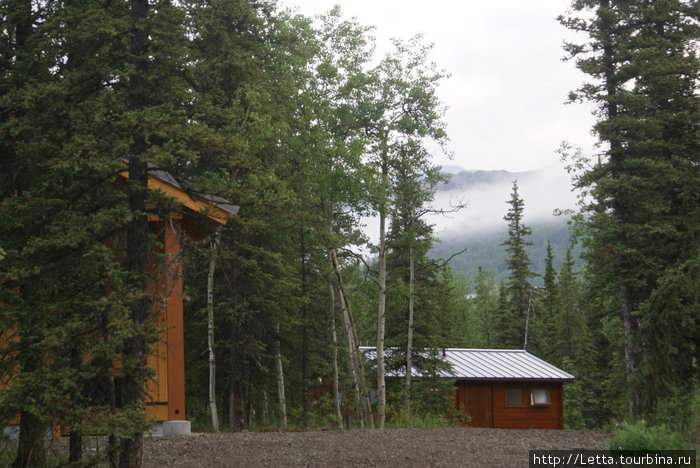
(480, 227)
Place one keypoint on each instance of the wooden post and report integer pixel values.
(174, 335)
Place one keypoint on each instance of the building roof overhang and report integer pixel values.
(210, 207)
(491, 365)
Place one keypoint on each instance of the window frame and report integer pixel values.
(547, 404)
(523, 401)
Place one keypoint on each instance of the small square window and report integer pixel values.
(539, 397)
(514, 397)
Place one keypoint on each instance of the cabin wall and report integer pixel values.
(527, 416)
(475, 401)
(487, 405)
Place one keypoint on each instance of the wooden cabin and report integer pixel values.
(509, 389)
(502, 388)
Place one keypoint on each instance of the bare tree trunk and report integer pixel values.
(30, 451)
(210, 330)
(231, 409)
(352, 364)
(280, 381)
(75, 443)
(265, 408)
(409, 341)
(233, 377)
(137, 237)
(334, 358)
(355, 354)
(304, 336)
(381, 384)
(357, 370)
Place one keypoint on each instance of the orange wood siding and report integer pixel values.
(175, 330)
(165, 394)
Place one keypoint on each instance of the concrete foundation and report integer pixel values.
(176, 428)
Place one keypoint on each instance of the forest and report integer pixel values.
(302, 125)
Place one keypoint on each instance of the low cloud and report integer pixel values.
(542, 191)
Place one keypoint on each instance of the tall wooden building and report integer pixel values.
(194, 215)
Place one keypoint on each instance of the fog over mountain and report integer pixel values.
(480, 228)
(486, 195)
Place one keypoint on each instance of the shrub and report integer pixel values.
(401, 419)
(640, 436)
(694, 425)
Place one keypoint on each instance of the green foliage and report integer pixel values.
(431, 404)
(293, 120)
(485, 250)
(402, 419)
(512, 319)
(640, 221)
(641, 436)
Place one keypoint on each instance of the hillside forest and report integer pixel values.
(298, 122)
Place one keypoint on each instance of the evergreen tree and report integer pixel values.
(63, 289)
(89, 102)
(512, 322)
(547, 305)
(486, 308)
(641, 57)
(410, 238)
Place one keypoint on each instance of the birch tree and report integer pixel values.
(214, 247)
(407, 115)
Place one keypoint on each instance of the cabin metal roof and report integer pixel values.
(501, 364)
(493, 364)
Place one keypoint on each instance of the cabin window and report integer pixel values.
(514, 396)
(539, 397)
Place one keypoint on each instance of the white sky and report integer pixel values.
(508, 86)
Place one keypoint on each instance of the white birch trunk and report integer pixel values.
(334, 358)
(381, 384)
(210, 331)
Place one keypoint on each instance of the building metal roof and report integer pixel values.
(215, 200)
(501, 364)
(219, 202)
(492, 364)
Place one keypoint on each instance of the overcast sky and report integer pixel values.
(508, 86)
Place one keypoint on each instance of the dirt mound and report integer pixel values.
(360, 448)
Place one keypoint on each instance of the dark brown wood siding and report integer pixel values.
(474, 400)
(486, 404)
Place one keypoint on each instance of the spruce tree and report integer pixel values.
(547, 304)
(511, 322)
(643, 66)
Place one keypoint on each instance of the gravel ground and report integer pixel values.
(365, 448)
